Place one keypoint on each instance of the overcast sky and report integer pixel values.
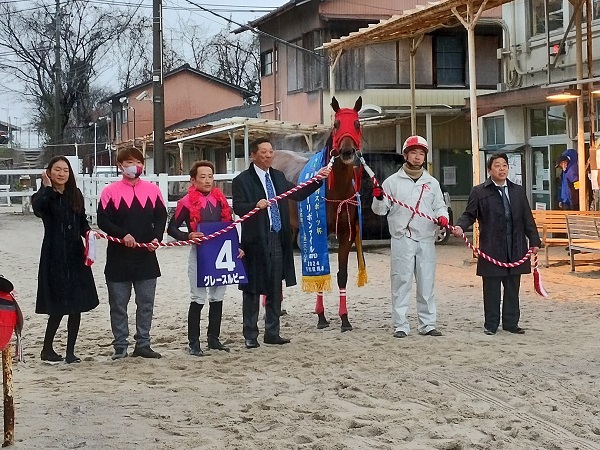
(175, 12)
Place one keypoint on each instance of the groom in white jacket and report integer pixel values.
(413, 236)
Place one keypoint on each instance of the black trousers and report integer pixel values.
(251, 301)
(510, 304)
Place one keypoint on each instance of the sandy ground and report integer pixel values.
(326, 390)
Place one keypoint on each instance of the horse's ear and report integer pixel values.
(334, 104)
(358, 104)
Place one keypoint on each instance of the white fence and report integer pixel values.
(7, 191)
(171, 186)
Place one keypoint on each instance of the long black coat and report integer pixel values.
(65, 284)
(485, 205)
(247, 190)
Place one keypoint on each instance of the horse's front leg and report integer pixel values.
(320, 311)
(342, 279)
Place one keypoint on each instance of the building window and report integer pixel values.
(538, 18)
(596, 8)
(266, 63)
(124, 114)
(494, 131)
(381, 65)
(295, 67)
(423, 62)
(548, 121)
(450, 60)
(557, 120)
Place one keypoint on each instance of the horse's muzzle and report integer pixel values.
(347, 154)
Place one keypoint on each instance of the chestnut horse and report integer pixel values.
(341, 199)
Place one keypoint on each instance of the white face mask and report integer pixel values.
(132, 172)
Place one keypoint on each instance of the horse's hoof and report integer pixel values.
(322, 322)
(345, 324)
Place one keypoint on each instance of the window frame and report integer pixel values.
(264, 64)
(436, 59)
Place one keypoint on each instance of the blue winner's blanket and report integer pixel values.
(312, 217)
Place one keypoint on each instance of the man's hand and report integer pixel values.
(195, 235)
(378, 193)
(129, 241)
(457, 231)
(535, 250)
(324, 172)
(442, 221)
(154, 247)
(263, 203)
(241, 253)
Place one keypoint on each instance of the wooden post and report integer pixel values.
(9, 407)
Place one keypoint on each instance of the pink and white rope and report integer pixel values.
(449, 227)
(223, 230)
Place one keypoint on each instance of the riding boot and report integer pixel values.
(194, 329)
(215, 313)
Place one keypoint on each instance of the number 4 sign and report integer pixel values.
(218, 262)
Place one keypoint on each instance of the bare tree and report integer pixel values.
(133, 49)
(29, 37)
(235, 59)
(230, 57)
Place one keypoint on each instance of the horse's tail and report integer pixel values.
(362, 278)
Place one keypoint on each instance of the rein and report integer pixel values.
(223, 230)
(415, 211)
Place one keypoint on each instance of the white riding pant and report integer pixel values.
(201, 294)
(410, 258)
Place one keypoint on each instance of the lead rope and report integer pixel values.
(536, 273)
(223, 230)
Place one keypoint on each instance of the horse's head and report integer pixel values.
(346, 134)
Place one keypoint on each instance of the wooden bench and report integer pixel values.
(551, 223)
(584, 235)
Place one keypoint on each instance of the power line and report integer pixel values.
(256, 31)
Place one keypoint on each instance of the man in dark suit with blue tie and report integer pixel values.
(266, 239)
(505, 225)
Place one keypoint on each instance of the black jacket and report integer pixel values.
(138, 210)
(485, 205)
(247, 190)
(65, 283)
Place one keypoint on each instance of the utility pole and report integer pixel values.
(157, 88)
(57, 80)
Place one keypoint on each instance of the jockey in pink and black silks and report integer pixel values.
(203, 203)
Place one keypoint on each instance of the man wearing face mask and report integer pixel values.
(413, 237)
(134, 211)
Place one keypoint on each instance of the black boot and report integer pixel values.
(215, 313)
(194, 329)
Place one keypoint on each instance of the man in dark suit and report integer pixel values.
(505, 225)
(266, 240)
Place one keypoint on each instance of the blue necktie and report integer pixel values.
(275, 217)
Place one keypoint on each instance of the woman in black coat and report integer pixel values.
(65, 283)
